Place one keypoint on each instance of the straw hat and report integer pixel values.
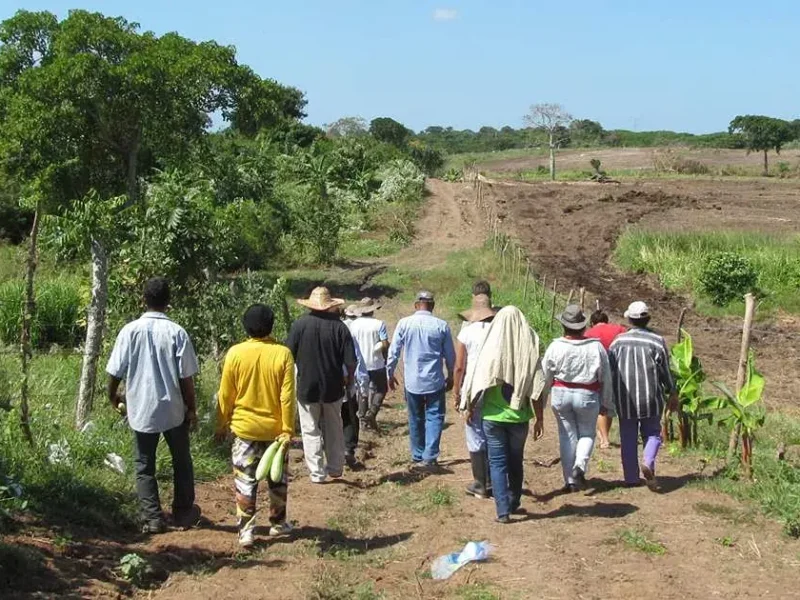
(481, 309)
(321, 300)
(573, 318)
(366, 306)
(351, 311)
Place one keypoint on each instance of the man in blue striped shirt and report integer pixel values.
(427, 343)
(642, 380)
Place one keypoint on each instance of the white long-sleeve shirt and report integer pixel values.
(581, 361)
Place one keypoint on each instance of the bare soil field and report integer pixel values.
(374, 533)
(569, 231)
(637, 159)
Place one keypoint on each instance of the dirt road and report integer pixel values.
(384, 524)
(373, 533)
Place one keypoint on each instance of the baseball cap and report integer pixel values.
(637, 310)
(425, 296)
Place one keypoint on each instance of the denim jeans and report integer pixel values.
(425, 424)
(182, 472)
(576, 413)
(506, 445)
(629, 430)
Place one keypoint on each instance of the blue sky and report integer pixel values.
(633, 64)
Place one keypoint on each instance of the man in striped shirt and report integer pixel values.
(642, 380)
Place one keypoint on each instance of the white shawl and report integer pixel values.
(510, 354)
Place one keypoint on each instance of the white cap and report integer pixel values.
(637, 310)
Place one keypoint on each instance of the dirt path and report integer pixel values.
(373, 533)
(376, 531)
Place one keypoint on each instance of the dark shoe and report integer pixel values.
(570, 488)
(649, 478)
(477, 490)
(372, 422)
(431, 466)
(505, 519)
(629, 484)
(580, 477)
(187, 519)
(352, 463)
(154, 527)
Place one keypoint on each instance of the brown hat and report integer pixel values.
(367, 305)
(481, 309)
(321, 300)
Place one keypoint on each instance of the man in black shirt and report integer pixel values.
(323, 350)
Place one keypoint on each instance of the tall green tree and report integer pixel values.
(385, 129)
(762, 134)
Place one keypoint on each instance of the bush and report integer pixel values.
(58, 311)
(727, 276)
(401, 181)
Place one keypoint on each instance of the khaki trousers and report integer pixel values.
(323, 438)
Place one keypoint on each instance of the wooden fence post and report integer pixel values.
(583, 299)
(553, 307)
(749, 313)
(527, 278)
(569, 297)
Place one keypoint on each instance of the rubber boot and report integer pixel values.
(479, 487)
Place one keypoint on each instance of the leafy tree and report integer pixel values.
(428, 159)
(585, 132)
(553, 120)
(385, 129)
(762, 134)
(260, 104)
(91, 227)
(347, 127)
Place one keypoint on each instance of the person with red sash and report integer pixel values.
(578, 377)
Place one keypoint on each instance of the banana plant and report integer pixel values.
(744, 410)
(695, 404)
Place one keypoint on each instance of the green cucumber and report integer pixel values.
(266, 461)
(276, 470)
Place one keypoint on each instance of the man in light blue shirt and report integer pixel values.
(156, 359)
(428, 343)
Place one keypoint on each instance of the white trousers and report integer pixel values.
(323, 438)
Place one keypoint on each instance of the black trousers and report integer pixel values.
(182, 472)
(350, 423)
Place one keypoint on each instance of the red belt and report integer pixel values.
(595, 386)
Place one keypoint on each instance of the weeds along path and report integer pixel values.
(373, 534)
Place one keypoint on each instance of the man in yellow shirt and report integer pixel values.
(256, 402)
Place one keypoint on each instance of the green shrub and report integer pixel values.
(727, 276)
(58, 310)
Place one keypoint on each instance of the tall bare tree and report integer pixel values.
(553, 120)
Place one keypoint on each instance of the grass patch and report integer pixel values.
(476, 591)
(430, 500)
(636, 539)
(678, 258)
(452, 283)
(81, 490)
(359, 246)
(775, 487)
(330, 583)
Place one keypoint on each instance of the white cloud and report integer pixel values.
(445, 14)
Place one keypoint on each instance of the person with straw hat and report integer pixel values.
(372, 339)
(323, 351)
(578, 377)
(468, 345)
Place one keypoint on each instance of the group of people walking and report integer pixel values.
(334, 373)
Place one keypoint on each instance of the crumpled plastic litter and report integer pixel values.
(115, 462)
(89, 427)
(444, 566)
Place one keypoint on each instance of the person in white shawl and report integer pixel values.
(506, 386)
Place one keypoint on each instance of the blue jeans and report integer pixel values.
(425, 424)
(576, 413)
(506, 445)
